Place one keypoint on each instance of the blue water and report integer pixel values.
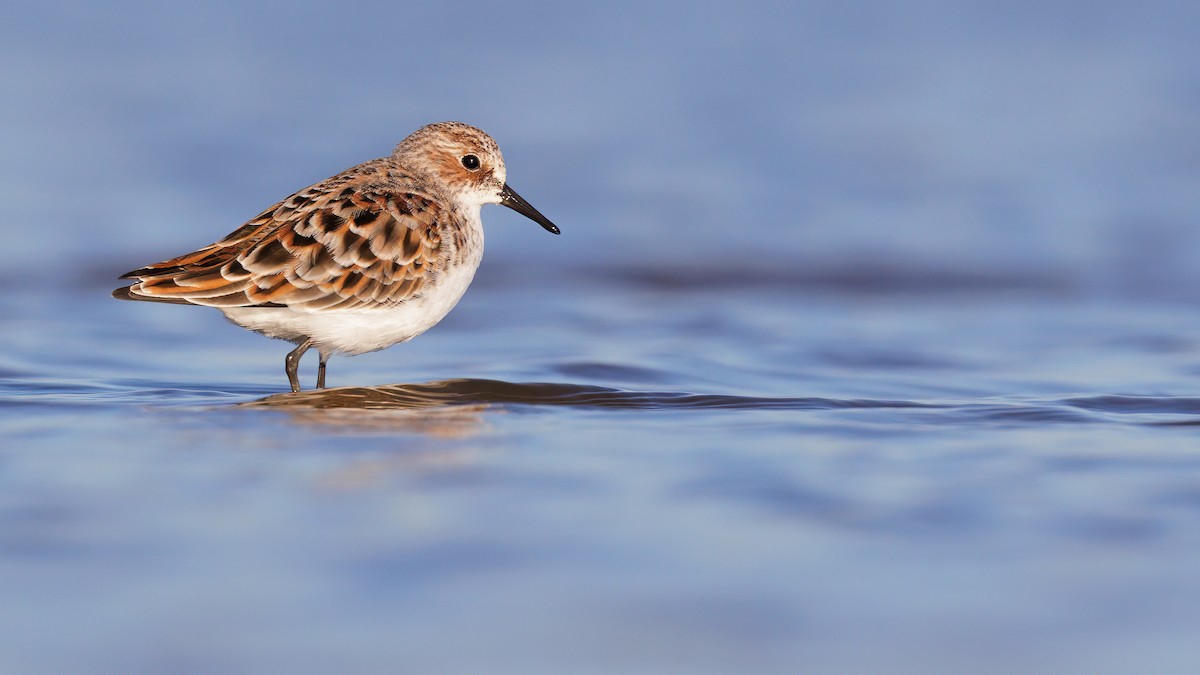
(871, 344)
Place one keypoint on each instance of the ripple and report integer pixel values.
(614, 371)
(456, 398)
(485, 392)
(1137, 404)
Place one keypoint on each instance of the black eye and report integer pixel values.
(471, 162)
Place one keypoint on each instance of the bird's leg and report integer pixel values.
(292, 362)
(321, 371)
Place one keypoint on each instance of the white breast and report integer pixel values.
(358, 331)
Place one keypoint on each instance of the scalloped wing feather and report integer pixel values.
(343, 243)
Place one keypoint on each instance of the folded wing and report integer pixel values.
(340, 244)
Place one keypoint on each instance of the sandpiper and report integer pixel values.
(358, 262)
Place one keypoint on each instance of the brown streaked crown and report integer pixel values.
(438, 149)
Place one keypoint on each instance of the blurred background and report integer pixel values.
(1052, 143)
(872, 341)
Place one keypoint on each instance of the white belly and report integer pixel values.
(358, 331)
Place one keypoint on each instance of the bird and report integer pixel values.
(358, 262)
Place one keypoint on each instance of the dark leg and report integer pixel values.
(292, 362)
(321, 371)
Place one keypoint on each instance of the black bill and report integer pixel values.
(514, 201)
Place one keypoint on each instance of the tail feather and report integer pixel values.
(127, 293)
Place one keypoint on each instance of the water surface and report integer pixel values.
(754, 477)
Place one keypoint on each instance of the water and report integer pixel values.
(870, 345)
(760, 477)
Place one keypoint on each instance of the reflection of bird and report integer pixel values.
(373, 256)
